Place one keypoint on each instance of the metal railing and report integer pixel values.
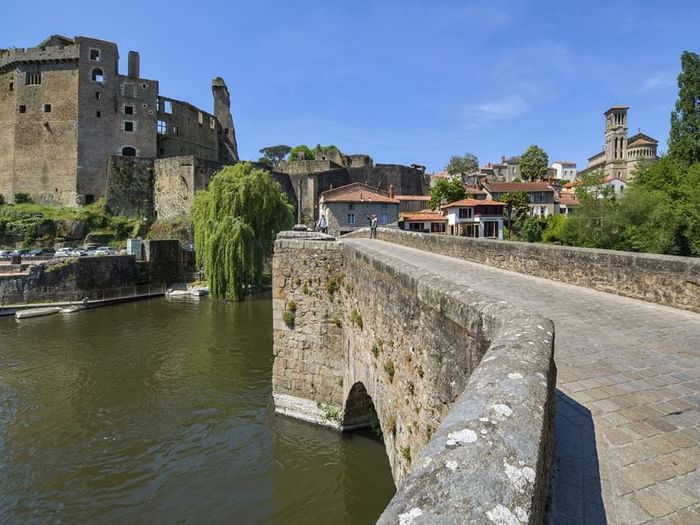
(81, 296)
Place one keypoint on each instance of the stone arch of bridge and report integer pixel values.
(359, 408)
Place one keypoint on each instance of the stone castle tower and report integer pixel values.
(222, 111)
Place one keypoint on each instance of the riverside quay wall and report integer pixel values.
(460, 385)
(664, 279)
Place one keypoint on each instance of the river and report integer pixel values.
(160, 411)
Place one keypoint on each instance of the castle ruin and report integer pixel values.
(65, 111)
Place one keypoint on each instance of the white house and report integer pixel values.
(426, 221)
(564, 170)
(618, 185)
(475, 218)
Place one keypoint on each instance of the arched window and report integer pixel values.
(97, 75)
(128, 151)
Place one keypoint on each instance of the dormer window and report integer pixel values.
(94, 54)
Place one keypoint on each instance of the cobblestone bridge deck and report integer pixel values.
(628, 397)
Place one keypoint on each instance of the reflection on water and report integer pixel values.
(161, 411)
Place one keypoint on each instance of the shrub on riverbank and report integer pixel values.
(31, 223)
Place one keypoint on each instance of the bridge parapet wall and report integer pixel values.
(663, 279)
(462, 384)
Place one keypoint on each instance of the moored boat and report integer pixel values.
(37, 312)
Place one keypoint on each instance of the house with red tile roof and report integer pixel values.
(426, 221)
(348, 208)
(541, 195)
(480, 218)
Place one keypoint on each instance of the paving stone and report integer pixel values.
(676, 496)
(629, 511)
(637, 476)
(653, 504)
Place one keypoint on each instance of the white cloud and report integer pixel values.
(658, 80)
(506, 108)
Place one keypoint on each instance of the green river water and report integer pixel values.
(161, 411)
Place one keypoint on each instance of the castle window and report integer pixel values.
(128, 151)
(98, 114)
(22, 108)
(212, 123)
(167, 106)
(33, 79)
(98, 95)
(98, 75)
(351, 218)
(94, 54)
(12, 86)
(47, 108)
(200, 118)
(162, 127)
(128, 110)
(175, 131)
(89, 198)
(128, 126)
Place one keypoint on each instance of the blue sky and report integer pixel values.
(402, 80)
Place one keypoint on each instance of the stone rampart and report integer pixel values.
(460, 385)
(663, 279)
(72, 275)
(129, 186)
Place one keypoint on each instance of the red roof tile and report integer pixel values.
(472, 202)
(424, 216)
(506, 187)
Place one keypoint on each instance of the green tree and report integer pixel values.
(446, 191)
(275, 154)
(301, 148)
(596, 223)
(462, 164)
(534, 163)
(684, 138)
(517, 209)
(235, 223)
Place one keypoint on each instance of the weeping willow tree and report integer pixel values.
(235, 223)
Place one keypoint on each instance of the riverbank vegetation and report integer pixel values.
(28, 223)
(235, 224)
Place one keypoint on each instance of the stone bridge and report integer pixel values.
(453, 361)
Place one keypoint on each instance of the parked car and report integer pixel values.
(5, 253)
(64, 252)
(22, 251)
(103, 250)
(42, 252)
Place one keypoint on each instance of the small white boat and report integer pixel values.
(177, 293)
(37, 312)
(199, 292)
(72, 309)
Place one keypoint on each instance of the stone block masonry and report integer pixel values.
(663, 279)
(461, 384)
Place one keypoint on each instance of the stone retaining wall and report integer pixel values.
(664, 279)
(462, 384)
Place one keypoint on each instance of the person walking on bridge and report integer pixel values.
(372, 226)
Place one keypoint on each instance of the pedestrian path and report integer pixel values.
(628, 393)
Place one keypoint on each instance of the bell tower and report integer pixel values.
(616, 142)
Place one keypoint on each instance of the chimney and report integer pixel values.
(391, 191)
(134, 65)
